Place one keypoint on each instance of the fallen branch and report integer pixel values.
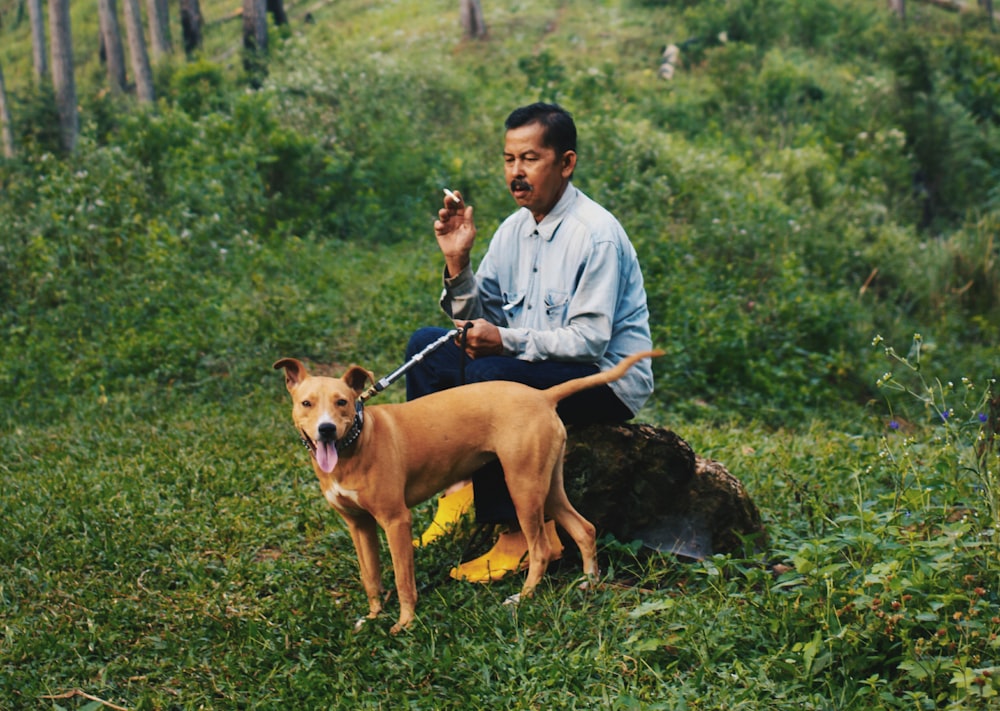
(238, 12)
(234, 15)
(958, 6)
(868, 282)
(84, 694)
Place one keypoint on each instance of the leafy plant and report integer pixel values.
(962, 415)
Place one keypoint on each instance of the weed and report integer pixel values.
(963, 437)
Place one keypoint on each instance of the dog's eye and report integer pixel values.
(341, 402)
(307, 403)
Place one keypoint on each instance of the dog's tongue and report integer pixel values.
(326, 456)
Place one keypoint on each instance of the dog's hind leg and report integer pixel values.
(528, 492)
(539, 549)
(582, 531)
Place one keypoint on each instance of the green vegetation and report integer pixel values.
(814, 185)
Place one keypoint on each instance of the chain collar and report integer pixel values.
(352, 434)
(348, 439)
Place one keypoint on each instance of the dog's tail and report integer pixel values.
(564, 390)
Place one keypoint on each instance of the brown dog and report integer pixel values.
(375, 464)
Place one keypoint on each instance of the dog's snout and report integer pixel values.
(327, 432)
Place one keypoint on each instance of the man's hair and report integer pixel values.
(560, 130)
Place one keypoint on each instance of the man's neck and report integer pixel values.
(541, 216)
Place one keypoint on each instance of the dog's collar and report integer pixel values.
(348, 439)
(352, 434)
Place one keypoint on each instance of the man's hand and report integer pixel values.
(482, 339)
(455, 231)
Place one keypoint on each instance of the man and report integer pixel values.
(558, 295)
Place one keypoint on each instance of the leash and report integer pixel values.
(463, 340)
(359, 412)
(462, 333)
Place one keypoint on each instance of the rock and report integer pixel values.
(637, 481)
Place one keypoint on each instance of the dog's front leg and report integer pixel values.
(364, 533)
(399, 533)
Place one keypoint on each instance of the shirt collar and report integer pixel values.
(546, 229)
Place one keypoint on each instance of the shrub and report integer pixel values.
(954, 159)
(972, 70)
(199, 87)
(36, 120)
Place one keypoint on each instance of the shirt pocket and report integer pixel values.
(556, 306)
(512, 303)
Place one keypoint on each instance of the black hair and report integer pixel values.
(560, 130)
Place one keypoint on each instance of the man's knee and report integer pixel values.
(422, 338)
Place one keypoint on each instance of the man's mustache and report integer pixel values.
(519, 184)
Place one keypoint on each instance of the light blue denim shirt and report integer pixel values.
(568, 288)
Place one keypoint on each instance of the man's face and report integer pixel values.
(536, 175)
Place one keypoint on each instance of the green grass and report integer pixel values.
(790, 194)
(165, 552)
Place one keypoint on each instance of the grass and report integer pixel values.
(165, 552)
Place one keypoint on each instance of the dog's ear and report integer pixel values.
(295, 372)
(357, 378)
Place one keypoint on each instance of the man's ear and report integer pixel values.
(295, 372)
(357, 377)
(568, 164)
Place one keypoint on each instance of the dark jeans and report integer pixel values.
(442, 369)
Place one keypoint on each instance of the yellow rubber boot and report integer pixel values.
(451, 508)
(509, 554)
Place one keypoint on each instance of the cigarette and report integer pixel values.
(452, 196)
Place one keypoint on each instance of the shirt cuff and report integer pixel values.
(460, 295)
(462, 282)
(512, 344)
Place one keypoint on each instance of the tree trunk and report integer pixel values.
(191, 25)
(963, 7)
(987, 5)
(6, 128)
(137, 52)
(898, 7)
(255, 39)
(159, 29)
(644, 482)
(112, 38)
(38, 40)
(471, 17)
(62, 72)
(277, 10)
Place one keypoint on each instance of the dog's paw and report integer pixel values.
(400, 627)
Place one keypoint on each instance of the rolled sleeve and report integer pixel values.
(460, 296)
